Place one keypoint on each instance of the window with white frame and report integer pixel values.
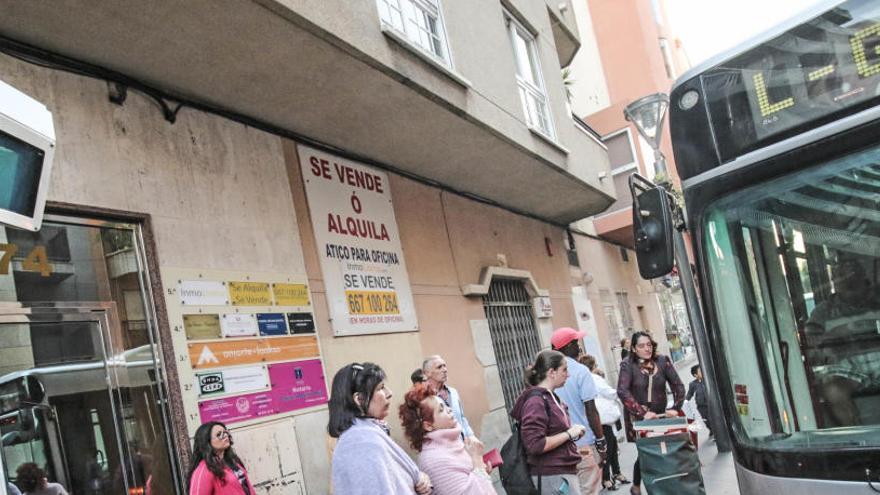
(529, 79)
(420, 22)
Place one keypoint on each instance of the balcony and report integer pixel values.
(616, 226)
(325, 70)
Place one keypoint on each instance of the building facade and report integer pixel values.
(248, 196)
(628, 51)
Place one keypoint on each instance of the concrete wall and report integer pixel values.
(477, 39)
(223, 196)
(589, 87)
(216, 190)
(447, 240)
(603, 264)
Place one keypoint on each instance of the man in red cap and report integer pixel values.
(579, 394)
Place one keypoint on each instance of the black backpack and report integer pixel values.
(514, 472)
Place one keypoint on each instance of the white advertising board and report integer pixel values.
(238, 325)
(356, 234)
(202, 293)
(232, 380)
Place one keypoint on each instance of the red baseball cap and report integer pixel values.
(562, 336)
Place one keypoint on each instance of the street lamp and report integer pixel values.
(647, 114)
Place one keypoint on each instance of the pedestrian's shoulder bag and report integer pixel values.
(515, 476)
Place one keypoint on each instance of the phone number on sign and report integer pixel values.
(372, 303)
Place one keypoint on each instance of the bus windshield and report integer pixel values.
(794, 268)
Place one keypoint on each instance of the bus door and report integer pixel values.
(79, 407)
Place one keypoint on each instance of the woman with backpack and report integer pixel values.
(545, 427)
(641, 387)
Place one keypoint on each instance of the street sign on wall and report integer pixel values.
(356, 233)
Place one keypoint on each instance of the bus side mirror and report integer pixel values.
(652, 223)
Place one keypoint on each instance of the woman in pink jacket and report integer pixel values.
(215, 469)
(455, 466)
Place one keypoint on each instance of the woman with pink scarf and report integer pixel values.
(455, 467)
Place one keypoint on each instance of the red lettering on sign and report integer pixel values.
(357, 227)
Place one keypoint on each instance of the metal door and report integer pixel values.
(514, 334)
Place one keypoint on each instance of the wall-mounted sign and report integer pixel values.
(235, 352)
(201, 326)
(301, 322)
(543, 307)
(356, 233)
(294, 386)
(271, 323)
(250, 294)
(291, 294)
(238, 325)
(232, 380)
(202, 293)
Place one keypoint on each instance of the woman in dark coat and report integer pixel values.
(641, 387)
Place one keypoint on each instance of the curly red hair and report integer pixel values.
(414, 411)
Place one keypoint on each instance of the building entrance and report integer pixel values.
(81, 391)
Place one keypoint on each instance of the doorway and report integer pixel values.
(81, 389)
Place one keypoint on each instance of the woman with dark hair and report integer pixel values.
(214, 467)
(641, 386)
(33, 481)
(455, 466)
(545, 427)
(366, 460)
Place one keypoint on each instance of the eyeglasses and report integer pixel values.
(220, 435)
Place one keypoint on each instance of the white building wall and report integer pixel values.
(589, 89)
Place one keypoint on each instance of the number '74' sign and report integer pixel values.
(35, 261)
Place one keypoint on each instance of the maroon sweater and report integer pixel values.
(535, 426)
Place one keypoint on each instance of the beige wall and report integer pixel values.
(447, 241)
(603, 263)
(216, 191)
(223, 196)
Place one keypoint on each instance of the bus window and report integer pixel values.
(795, 270)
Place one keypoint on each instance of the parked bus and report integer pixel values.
(777, 144)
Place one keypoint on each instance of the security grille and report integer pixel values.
(514, 334)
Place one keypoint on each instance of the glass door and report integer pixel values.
(81, 382)
(77, 408)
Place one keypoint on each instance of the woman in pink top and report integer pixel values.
(215, 469)
(455, 467)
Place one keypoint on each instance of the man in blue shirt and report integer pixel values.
(579, 394)
(436, 372)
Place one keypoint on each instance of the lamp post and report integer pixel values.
(647, 114)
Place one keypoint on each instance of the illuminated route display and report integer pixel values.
(811, 74)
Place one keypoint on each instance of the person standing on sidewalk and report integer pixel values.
(697, 391)
(579, 394)
(546, 428)
(642, 388)
(436, 371)
(609, 413)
